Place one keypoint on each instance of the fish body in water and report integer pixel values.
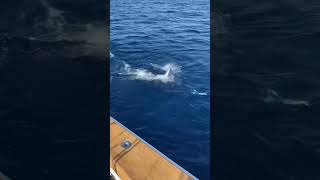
(152, 72)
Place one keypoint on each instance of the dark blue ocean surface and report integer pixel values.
(267, 90)
(52, 92)
(160, 70)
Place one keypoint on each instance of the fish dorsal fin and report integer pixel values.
(168, 72)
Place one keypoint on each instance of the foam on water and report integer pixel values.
(195, 92)
(165, 74)
(170, 71)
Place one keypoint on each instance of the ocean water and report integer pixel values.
(160, 68)
(52, 92)
(266, 72)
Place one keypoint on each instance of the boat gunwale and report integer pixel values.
(156, 150)
(114, 174)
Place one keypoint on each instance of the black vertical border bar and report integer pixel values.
(212, 92)
(107, 89)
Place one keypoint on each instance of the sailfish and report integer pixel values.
(164, 71)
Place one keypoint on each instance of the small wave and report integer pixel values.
(195, 92)
(170, 71)
(111, 55)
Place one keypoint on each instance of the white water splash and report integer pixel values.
(170, 71)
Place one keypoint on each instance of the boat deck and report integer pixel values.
(140, 160)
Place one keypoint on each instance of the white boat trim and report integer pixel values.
(114, 174)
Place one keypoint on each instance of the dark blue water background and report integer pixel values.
(170, 112)
(52, 92)
(267, 89)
